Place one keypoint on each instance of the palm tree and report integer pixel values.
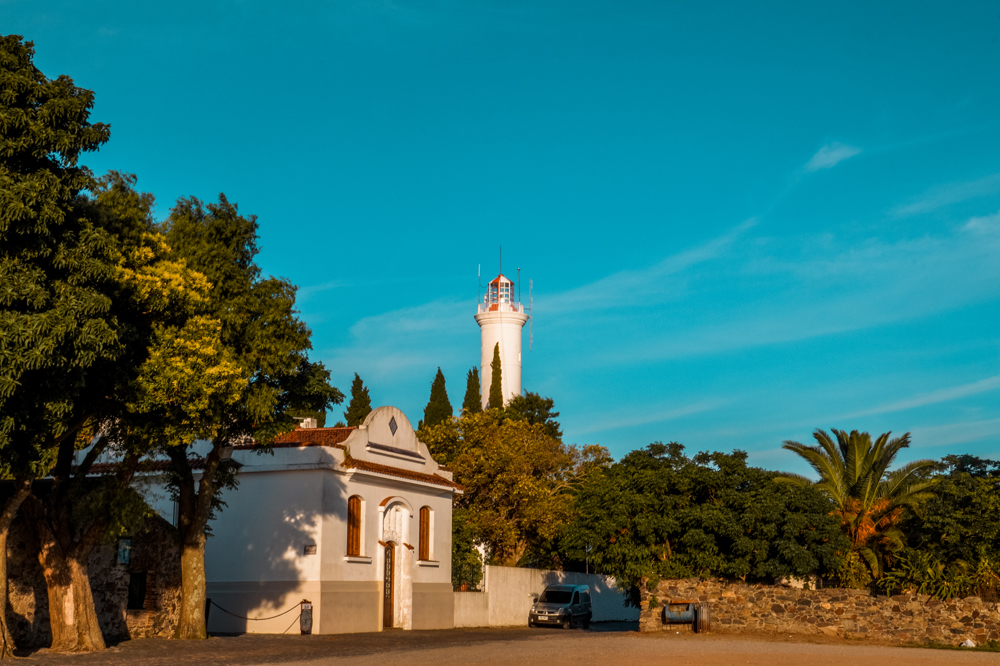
(854, 473)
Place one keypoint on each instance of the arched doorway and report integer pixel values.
(396, 560)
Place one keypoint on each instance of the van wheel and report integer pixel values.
(586, 623)
(567, 624)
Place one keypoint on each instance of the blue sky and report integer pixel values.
(742, 222)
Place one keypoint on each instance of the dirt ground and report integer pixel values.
(608, 644)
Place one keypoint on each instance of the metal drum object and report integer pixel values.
(702, 619)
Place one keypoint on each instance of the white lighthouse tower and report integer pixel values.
(500, 320)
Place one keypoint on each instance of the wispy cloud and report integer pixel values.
(307, 292)
(636, 416)
(955, 433)
(985, 224)
(647, 285)
(830, 155)
(946, 195)
(934, 397)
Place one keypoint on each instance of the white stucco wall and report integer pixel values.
(509, 592)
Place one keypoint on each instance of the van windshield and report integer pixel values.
(555, 597)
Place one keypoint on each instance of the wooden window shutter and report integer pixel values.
(354, 526)
(425, 533)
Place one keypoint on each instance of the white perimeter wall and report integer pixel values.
(509, 592)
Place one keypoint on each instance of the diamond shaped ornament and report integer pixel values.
(392, 425)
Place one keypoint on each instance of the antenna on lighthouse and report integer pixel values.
(479, 276)
(519, 286)
(531, 336)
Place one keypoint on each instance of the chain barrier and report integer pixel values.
(254, 619)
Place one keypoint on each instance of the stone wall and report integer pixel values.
(154, 552)
(736, 607)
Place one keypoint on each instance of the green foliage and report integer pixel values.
(361, 403)
(659, 514)
(438, 407)
(535, 409)
(922, 573)
(853, 574)
(496, 381)
(516, 477)
(473, 393)
(259, 330)
(950, 526)
(870, 499)
(953, 537)
(466, 563)
(57, 263)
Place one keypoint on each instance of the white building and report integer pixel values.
(355, 520)
(501, 319)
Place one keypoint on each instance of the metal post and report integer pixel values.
(306, 618)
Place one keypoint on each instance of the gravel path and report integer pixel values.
(606, 645)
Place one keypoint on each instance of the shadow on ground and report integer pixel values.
(270, 648)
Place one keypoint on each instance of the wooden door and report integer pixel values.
(387, 592)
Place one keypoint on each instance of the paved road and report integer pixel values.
(608, 645)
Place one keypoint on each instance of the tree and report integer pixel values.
(73, 512)
(516, 479)
(438, 407)
(57, 278)
(535, 409)
(869, 498)
(473, 403)
(466, 562)
(361, 403)
(659, 514)
(496, 381)
(958, 524)
(261, 342)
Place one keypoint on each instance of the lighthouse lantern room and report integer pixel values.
(501, 318)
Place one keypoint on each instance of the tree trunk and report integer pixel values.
(194, 508)
(71, 605)
(72, 615)
(21, 489)
(191, 624)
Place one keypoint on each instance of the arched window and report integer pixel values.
(354, 526)
(426, 533)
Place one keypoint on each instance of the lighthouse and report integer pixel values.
(501, 318)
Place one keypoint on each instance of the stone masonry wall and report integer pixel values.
(737, 607)
(154, 551)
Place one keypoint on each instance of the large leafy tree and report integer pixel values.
(517, 481)
(71, 512)
(869, 498)
(360, 405)
(473, 402)
(496, 381)
(58, 281)
(958, 524)
(264, 373)
(660, 514)
(438, 407)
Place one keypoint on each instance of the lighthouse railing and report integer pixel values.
(500, 307)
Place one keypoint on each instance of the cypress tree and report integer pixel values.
(473, 403)
(438, 409)
(361, 403)
(496, 382)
